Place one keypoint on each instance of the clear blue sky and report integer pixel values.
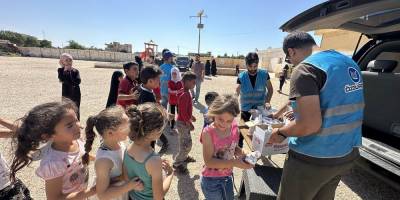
(232, 26)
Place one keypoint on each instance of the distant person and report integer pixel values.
(237, 70)
(116, 78)
(208, 68)
(283, 76)
(127, 90)
(191, 63)
(175, 87)
(70, 79)
(213, 67)
(139, 61)
(209, 99)
(198, 69)
(166, 76)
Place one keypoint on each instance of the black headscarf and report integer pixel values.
(113, 94)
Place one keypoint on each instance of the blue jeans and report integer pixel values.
(198, 87)
(217, 188)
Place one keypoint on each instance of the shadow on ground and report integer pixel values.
(186, 187)
(366, 186)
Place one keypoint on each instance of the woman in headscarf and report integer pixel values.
(117, 76)
(175, 86)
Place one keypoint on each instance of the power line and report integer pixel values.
(200, 26)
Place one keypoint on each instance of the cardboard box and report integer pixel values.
(260, 140)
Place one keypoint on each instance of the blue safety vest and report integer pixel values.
(342, 106)
(251, 97)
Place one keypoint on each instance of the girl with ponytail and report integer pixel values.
(61, 165)
(147, 120)
(113, 125)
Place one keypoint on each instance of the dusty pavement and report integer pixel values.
(26, 82)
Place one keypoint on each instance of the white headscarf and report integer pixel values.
(178, 75)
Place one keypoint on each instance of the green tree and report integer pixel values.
(13, 37)
(31, 41)
(225, 55)
(45, 44)
(74, 45)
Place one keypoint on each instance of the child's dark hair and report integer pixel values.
(145, 119)
(36, 127)
(188, 76)
(127, 66)
(108, 119)
(226, 103)
(149, 72)
(210, 97)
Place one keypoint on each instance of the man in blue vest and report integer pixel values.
(326, 93)
(254, 87)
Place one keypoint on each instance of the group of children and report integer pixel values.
(51, 133)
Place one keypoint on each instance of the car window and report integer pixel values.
(390, 56)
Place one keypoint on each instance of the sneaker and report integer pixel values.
(190, 159)
(164, 148)
(180, 169)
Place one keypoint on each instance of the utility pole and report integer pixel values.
(200, 26)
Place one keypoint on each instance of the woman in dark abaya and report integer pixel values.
(208, 68)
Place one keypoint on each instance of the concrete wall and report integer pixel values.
(77, 54)
(271, 59)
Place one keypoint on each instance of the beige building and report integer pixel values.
(340, 40)
(117, 47)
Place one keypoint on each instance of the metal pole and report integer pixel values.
(198, 46)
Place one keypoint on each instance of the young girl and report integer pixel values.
(70, 79)
(175, 86)
(116, 78)
(220, 149)
(61, 166)
(8, 189)
(113, 126)
(147, 122)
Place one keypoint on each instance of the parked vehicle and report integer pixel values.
(182, 62)
(379, 60)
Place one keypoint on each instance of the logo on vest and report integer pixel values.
(356, 78)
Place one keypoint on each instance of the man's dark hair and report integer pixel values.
(210, 97)
(251, 58)
(128, 65)
(297, 40)
(149, 72)
(188, 76)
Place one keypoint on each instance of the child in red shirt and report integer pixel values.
(175, 87)
(127, 90)
(184, 123)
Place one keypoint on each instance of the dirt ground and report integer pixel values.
(26, 82)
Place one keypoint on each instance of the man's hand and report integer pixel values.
(275, 137)
(289, 115)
